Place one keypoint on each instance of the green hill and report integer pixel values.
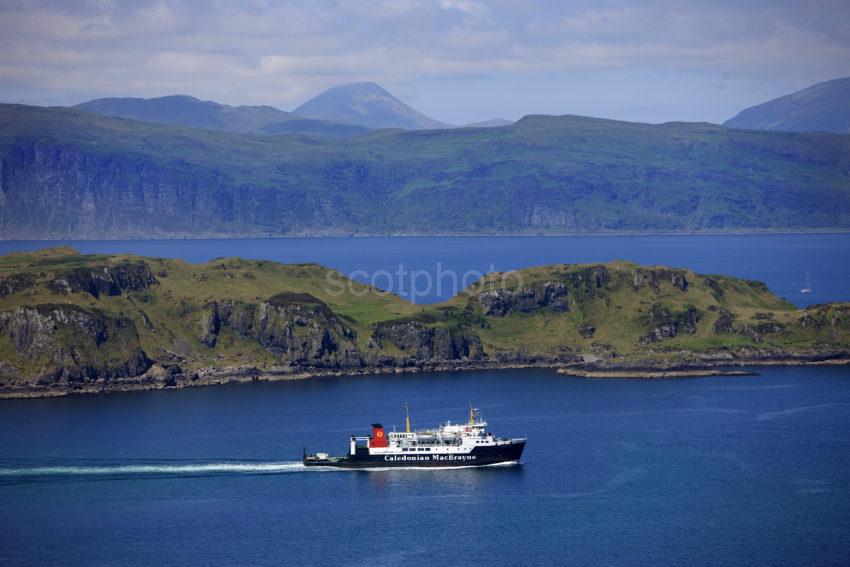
(70, 322)
(67, 173)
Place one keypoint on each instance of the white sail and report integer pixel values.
(808, 287)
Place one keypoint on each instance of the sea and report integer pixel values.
(736, 470)
(431, 269)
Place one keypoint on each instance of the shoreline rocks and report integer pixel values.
(173, 378)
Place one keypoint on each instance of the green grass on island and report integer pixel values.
(71, 321)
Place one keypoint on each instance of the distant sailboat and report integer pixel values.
(808, 287)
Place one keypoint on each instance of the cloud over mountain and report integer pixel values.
(456, 60)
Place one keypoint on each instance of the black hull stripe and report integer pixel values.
(478, 457)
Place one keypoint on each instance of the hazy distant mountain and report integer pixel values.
(365, 104)
(182, 110)
(492, 123)
(824, 107)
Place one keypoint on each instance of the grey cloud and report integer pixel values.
(281, 53)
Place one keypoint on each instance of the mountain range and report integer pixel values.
(344, 111)
(182, 110)
(65, 173)
(350, 110)
(824, 107)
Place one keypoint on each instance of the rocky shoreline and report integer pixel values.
(163, 378)
(643, 374)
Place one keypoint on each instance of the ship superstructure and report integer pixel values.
(464, 444)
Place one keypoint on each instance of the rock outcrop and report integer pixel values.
(527, 299)
(652, 277)
(67, 344)
(425, 343)
(587, 329)
(758, 331)
(104, 280)
(664, 324)
(15, 283)
(833, 316)
(297, 327)
(725, 323)
(587, 282)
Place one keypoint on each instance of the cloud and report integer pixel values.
(280, 53)
(469, 7)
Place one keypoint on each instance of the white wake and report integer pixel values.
(208, 468)
(176, 469)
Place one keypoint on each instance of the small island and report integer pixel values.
(73, 323)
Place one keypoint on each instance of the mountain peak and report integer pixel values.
(366, 104)
(175, 97)
(824, 107)
(362, 85)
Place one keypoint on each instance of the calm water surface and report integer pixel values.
(707, 471)
(712, 471)
(434, 268)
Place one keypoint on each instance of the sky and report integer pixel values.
(457, 61)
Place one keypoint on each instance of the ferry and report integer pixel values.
(466, 444)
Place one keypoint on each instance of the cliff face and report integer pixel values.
(501, 302)
(662, 324)
(60, 191)
(297, 328)
(103, 279)
(424, 344)
(76, 323)
(60, 345)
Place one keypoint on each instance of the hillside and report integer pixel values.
(492, 123)
(824, 107)
(365, 104)
(70, 174)
(182, 110)
(70, 322)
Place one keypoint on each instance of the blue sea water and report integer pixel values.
(708, 471)
(428, 269)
